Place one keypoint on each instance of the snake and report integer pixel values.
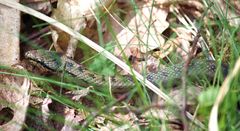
(57, 62)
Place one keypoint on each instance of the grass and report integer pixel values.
(224, 42)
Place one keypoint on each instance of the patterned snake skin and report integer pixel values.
(56, 62)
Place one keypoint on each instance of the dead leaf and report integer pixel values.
(14, 95)
(78, 94)
(71, 119)
(144, 28)
(75, 14)
(42, 6)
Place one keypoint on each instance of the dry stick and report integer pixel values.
(183, 78)
(184, 112)
(96, 47)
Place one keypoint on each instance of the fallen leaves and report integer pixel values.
(139, 34)
(14, 97)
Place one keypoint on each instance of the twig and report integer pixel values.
(184, 113)
(183, 78)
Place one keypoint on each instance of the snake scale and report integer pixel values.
(57, 63)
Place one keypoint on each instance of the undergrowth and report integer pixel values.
(95, 108)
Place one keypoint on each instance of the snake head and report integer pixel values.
(48, 59)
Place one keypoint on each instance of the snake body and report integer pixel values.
(56, 62)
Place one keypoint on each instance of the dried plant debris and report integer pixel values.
(14, 99)
(43, 6)
(231, 10)
(78, 94)
(148, 34)
(74, 14)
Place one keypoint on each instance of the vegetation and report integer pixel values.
(147, 36)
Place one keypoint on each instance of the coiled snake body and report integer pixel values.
(56, 62)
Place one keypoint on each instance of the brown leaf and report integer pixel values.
(14, 95)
